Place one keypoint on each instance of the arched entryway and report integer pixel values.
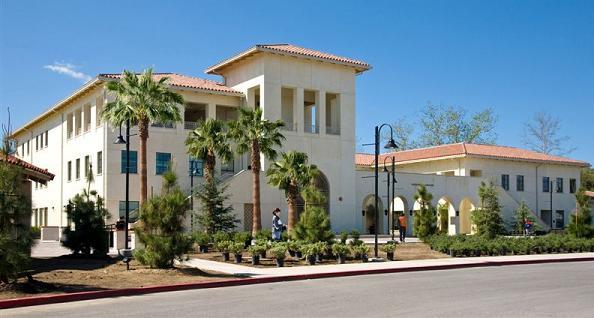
(399, 205)
(466, 208)
(446, 212)
(368, 209)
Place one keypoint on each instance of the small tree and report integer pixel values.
(581, 221)
(88, 213)
(15, 213)
(443, 218)
(425, 218)
(487, 218)
(314, 222)
(521, 215)
(160, 226)
(213, 215)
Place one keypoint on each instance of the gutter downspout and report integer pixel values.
(61, 207)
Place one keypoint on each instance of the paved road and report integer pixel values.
(545, 290)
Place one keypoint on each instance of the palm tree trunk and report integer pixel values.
(209, 167)
(257, 214)
(143, 136)
(292, 203)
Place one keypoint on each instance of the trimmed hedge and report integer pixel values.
(472, 245)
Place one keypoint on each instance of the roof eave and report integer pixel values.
(86, 87)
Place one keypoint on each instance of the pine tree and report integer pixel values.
(213, 216)
(88, 214)
(487, 218)
(425, 218)
(443, 218)
(161, 226)
(522, 214)
(581, 221)
(314, 223)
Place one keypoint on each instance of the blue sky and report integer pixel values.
(518, 57)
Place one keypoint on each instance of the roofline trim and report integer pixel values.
(215, 68)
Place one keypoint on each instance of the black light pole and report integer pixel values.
(192, 173)
(393, 188)
(388, 192)
(119, 141)
(390, 145)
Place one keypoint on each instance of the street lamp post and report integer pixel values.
(119, 141)
(390, 198)
(389, 145)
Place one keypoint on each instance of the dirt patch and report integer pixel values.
(404, 252)
(64, 275)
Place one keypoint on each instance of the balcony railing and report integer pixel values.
(190, 125)
(331, 130)
(311, 129)
(164, 125)
(290, 126)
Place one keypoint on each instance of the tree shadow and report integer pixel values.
(70, 262)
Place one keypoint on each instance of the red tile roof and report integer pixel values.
(292, 50)
(18, 162)
(186, 82)
(471, 150)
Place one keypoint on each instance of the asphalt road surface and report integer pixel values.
(545, 290)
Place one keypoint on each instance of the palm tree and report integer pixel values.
(141, 100)
(257, 135)
(207, 142)
(291, 173)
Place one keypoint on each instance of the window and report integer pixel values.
(476, 173)
(36, 185)
(69, 170)
(46, 138)
(559, 219)
(559, 187)
(87, 166)
(77, 169)
(100, 162)
(572, 185)
(505, 182)
(22, 150)
(133, 168)
(41, 141)
(196, 167)
(28, 147)
(228, 166)
(163, 159)
(545, 184)
(133, 213)
(37, 143)
(166, 124)
(519, 183)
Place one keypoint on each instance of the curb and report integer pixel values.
(88, 295)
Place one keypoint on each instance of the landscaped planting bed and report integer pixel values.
(471, 245)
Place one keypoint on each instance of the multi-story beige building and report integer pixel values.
(314, 94)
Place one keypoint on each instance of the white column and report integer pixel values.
(211, 111)
(321, 115)
(298, 110)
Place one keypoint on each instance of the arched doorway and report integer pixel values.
(446, 212)
(399, 205)
(368, 209)
(466, 208)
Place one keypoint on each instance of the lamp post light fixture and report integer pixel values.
(120, 140)
(390, 210)
(389, 145)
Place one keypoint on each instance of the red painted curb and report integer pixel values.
(53, 299)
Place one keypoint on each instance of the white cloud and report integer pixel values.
(67, 69)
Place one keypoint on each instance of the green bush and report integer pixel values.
(310, 249)
(344, 236)
(355, 241)
(340, 249)
(278, 250)
(313, 226)
(223, 246)
(389, 248)
(201, 238)
(243, 237)
(257, 249)
(359, 250)
(236, 247)
(35, 232)
(264, 234)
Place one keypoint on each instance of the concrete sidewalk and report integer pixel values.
(234, 269)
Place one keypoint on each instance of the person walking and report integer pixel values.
(402, 226)
(277, 225)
